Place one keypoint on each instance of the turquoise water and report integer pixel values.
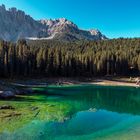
(77, 113)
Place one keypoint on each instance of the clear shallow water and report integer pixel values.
(76, 113)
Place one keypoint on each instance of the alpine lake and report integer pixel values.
(76, 112)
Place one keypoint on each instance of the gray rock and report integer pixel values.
(7, 94)
(34, 108)
(63, 29)
(14, 25)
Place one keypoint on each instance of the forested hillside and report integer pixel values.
(83, 58)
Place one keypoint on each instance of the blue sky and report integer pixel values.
(115, 18)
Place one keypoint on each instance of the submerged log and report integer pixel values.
(37, 114)
(11, 115)
(6, 107)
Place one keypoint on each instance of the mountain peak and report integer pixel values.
(15, 24)
(65, 21)
(94, 31)
(57, 22)
(2, 7)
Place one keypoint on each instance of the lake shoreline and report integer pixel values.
(103, 81)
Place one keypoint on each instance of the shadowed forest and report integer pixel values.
(69, 59)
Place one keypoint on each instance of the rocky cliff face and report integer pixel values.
(15, 24)
(67, 30)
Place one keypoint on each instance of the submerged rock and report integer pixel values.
(34, 108)
(6, 107)
(7, 94)
(92, 110)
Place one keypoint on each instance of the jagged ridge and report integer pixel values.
(15, 24)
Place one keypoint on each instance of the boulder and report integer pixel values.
(7, 94)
